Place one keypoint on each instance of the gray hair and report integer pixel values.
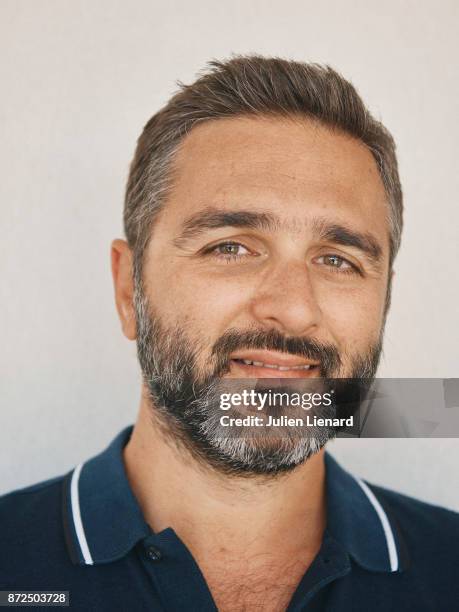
(251, 86)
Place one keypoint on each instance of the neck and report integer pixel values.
(208, 509)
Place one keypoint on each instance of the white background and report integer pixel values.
(79, 79)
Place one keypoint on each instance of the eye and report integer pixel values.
(337, 263)
(228, 251)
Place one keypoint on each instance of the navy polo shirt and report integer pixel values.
(85, 533)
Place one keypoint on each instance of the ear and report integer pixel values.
(123, 281)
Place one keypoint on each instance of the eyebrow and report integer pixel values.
(213, 218)
(345, 236)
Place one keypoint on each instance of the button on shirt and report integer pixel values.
(85, 533)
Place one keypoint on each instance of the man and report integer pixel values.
(263, 214)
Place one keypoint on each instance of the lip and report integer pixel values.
(272, 364)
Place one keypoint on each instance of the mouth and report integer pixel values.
(272, 364)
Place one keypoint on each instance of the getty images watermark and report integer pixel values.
(259, 401)
(373, 408)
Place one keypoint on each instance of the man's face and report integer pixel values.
(271, 256)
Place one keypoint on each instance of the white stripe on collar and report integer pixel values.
(76, 515)
(390, 540)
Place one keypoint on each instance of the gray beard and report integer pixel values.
(186, 405)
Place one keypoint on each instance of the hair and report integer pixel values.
(259, 87)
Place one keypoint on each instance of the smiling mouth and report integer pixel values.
(269, 364)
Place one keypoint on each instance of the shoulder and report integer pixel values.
(22, 503)
(417, 513)
(431, 532)
(31, 529)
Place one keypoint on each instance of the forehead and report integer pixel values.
(297, 169)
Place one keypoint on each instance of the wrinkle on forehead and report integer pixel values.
(274, 165)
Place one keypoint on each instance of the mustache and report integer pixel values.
(273, 340)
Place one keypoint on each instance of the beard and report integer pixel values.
(185, 399)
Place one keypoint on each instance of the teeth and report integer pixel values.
(260, 364)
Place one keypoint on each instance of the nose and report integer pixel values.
(285, 300)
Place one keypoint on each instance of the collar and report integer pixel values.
(103, 521)
(102, 518)
(361, 521)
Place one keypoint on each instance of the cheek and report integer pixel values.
(353, 316)
(209, 305)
